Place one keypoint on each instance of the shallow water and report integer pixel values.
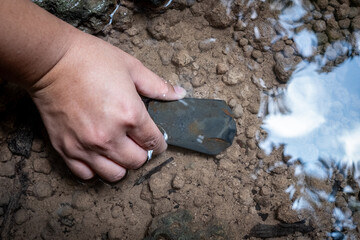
(316, 115)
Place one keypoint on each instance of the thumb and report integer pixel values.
(151, 85)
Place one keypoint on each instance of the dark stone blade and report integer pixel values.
(202, 125)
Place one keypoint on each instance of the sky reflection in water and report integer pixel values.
(322, 119)
(317, 115)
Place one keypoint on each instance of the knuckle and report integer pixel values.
(116, 177)
(132, 117)
(152, 143)
(97, 140)
(137, 163)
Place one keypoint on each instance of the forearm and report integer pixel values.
(32, 41)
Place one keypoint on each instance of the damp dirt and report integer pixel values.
(230, 50)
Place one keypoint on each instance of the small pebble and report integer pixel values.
(42, 165)
(238, 111)
(42, 190)
(222, 68)
(21, 216)
(256, 54)
(233, 77)
(116, 211)
(243, 42)
(178, 182)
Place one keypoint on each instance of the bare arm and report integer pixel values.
(85, 89)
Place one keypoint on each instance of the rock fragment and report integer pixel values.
(319, 26)
(322, 3)
(21, 216)
(122, 19)
(166, 54)
(281, 72)
(42, 165)
(178, 182)
(342, 11)
(218, 16)
(233, 77)
(286, 214)
(181, 58)
(355, 23)
(222, 68)
(207, 44)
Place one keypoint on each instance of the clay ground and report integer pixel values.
(201, 46)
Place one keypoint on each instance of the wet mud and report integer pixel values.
(214, 49)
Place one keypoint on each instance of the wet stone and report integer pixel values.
(222, 68)
(322, 3)
(42, 190)
(21, 216)
(322, 38)
(82, 201)
(353, 11)
(42, 165)
(289, 51)
(207, 44)
(281, 73)
(317, 15)
(319, 26)
(342, 11)
(355, 23)
(345, 23)
(233, 77)
(278, 46)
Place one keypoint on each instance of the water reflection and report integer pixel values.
(316, 116)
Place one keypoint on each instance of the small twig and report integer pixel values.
(152, 171)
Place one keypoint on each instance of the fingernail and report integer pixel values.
(181, 92)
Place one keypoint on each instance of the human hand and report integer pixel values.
(90, 106)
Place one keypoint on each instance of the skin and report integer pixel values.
(86, 90)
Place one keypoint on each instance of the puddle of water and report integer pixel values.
(316, 116)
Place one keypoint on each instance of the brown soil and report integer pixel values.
(212, 55)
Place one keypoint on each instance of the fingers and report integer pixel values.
(79, 168)
(151, 85)
(147, 135)
(107, 169)
(127, 154)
